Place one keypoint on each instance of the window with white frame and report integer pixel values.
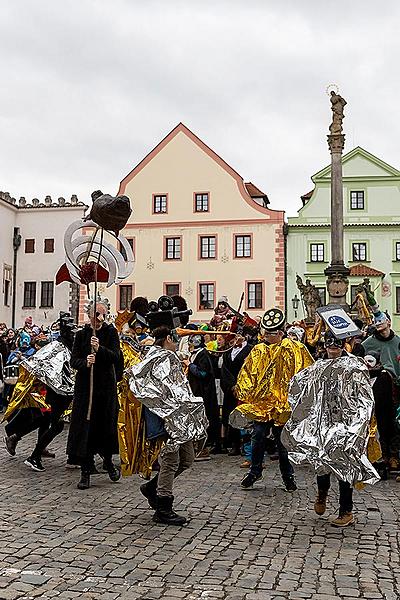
(359, 251)
(254, 294)
(206, 296)
(208, 245)
(357, 200)
(242, 246)
(160, 203)
(397, 299)
(397, 250)
(317, 252)
(173, 246)
(201, 202)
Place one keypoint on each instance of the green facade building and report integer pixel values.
(371, 197)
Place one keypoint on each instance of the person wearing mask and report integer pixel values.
(330, 426)
(93, 428)
(160, 384)
(262, 392)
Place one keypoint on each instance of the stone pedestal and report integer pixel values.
(337, 273)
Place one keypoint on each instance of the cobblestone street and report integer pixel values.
(59, 542)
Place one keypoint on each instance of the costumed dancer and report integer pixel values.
(41, 395)
(138, 448)
(262, 392)
(332, 406)
(160, 384)
(93, 428)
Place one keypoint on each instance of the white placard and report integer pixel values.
(338, 321)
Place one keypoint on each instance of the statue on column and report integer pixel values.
(310, 296)
(338, 103)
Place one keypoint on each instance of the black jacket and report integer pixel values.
(99, 435)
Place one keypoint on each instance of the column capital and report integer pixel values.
(336, 143)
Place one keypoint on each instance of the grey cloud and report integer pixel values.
(92, 86)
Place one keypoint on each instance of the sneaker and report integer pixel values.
(245, 464)
(249, 480)
(290, 484)
(11, 443)
(203, 455)
(48, 453)
(34, 463)
(320, 503)
(343, 520)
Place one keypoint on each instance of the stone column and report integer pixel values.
(337, 272)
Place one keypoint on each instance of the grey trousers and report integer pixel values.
(171, 465)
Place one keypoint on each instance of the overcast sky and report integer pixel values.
(89, 87)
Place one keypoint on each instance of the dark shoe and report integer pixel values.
(290, 484)
(218, 449)
(48, 453)
(320, 502)
(149, 491)
(11, 443)
(164, 513)
(249, 480)
(84, 482)
(34, 463)
(114, 472)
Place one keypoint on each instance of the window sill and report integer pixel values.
(207, 258)
(242, 257)
(316, 262)
(46, 306)
(28, 307)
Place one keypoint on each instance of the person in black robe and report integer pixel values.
(93, 429)
(202, 383)
(232, 362)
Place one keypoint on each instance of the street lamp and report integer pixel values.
(295, 304)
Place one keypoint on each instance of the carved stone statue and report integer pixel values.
(310, 296)
(338, 103)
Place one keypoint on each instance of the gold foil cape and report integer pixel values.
(26, 394)
(263, 382)
(159, 383)
(332, 407)
(137, 453)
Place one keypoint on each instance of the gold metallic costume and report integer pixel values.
(137, 453)
(262, 385)
(26, 394)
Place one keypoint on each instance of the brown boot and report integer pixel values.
(343, 520)
(320, 502)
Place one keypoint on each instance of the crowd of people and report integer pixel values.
(162, 391)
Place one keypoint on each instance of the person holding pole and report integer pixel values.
(96, 356)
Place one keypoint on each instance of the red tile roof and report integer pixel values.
(364, 271)
(254, 191)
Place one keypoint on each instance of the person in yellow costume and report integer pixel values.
(262, 392)
(138, 453)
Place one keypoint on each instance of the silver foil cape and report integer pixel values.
(51, 365)
(332, 404)
(159, 382)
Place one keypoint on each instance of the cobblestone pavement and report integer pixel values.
(59, 542)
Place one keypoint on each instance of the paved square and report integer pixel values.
(264, 544)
